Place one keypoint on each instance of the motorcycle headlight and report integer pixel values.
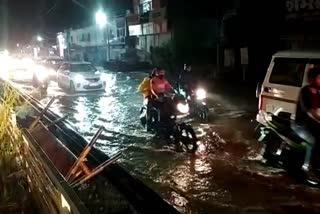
(183, 108)
(79, 78)
(201, 94)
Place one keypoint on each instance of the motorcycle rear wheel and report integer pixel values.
(186, 139)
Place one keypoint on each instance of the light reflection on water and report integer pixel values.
(189, 181)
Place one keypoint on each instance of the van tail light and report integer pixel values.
(259, 95)
(260, 102)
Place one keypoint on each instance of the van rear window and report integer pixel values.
(288, 71)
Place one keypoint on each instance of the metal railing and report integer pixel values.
(52, 192)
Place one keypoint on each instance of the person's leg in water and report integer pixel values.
(148, 113)
(312, 154)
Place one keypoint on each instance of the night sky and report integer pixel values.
(20, 20)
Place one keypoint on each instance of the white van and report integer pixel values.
(286, 75)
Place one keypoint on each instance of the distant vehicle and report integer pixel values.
(52, 65)
(27, 71)
(55, 62)
(80, 76)
(286, 75)
(197, 101)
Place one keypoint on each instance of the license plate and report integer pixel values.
(93, 84)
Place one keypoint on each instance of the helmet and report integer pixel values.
(153, 72)
(160, 72)
(313, 73)
(187, 66)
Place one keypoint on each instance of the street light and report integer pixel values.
(101, 19)
(39, 38)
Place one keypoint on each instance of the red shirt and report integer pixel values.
(160, 85)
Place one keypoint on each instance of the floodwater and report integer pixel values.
(223, 176)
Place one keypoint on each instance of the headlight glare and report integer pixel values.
(41, 73)
(79, 78)
(183, 108)
(201, 94)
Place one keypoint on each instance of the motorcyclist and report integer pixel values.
(185, 80)
(159, 84)
(144, 86)
(145, 90)
(308, 120)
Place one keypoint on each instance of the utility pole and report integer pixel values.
(218, 41)
(108, 42)
(68, 43)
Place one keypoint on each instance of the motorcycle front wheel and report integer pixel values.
(185, 138)
(203, 113)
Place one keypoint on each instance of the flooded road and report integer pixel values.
(223, 176)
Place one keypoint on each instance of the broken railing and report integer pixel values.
(52, 184)
(31, 168)
(79, 172)
(78, 162)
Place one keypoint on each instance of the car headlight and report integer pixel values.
(183, 108)
(79, 78)
(201, 94)
(27, 63)
(52, 71)
(41, 73)
(106, 77)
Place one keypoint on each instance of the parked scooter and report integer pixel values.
(284, 144)
(169, 118)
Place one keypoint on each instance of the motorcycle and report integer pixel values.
(168, 117)
(40, 78)
(285, 144)
(198, 104)
(197, 98)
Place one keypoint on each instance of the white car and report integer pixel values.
(25, 71)
(286, 75)
(80, 76)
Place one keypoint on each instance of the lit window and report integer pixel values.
(145, 6)
(135, 30)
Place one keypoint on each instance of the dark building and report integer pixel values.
(238, 36)
(250, 35)
(264, 27)
(191, 28)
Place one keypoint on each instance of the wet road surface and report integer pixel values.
(224, 176)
